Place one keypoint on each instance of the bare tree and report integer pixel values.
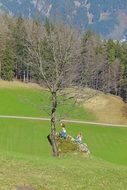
(54, 53)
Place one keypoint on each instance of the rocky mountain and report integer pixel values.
(106, 17)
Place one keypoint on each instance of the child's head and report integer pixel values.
(62, 124)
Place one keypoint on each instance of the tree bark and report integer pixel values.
(53, 125)
(27, 74)
(0, 70)
(24, 76)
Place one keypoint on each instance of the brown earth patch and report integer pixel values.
(24, 188)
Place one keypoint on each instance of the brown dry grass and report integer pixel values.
(108, 108)
(18, 84)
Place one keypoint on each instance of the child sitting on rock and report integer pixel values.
(79, 138)
(63, 133)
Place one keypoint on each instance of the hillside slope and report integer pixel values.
(69, 173)
(18, 98)
(108, 108)
(21, 99)
(25, 154)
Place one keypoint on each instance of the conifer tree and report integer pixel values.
(8, 62)
(19, 35)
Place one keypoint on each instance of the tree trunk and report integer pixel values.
(27, 74)
(0, 70)
(24, 76)
(53, 125)
(16, 71)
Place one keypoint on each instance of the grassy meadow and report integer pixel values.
(29, 138)
(25, 155)
(36, 103)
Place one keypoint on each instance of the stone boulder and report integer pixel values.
(69, 145)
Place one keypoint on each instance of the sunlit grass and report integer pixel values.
(26, 156)
(37, 103)
(30, 138)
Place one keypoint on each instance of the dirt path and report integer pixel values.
(69, 121)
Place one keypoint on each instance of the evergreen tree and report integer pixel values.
(19, 35)
(111, 50)
(123, 82)
(92, 59)
(8, 62)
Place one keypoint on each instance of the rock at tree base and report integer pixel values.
(69, 145)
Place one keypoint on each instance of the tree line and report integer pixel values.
(28, 45)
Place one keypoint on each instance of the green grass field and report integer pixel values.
(30, 102)
(29, 137)
(25, 155)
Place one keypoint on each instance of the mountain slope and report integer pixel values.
(109, 18)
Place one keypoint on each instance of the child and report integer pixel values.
(79, 138)
(63, 133)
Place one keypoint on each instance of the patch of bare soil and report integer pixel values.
(108, 108)
(25, 188)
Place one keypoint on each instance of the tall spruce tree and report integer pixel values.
(123, 82)
(19, 35)
(7, 62)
